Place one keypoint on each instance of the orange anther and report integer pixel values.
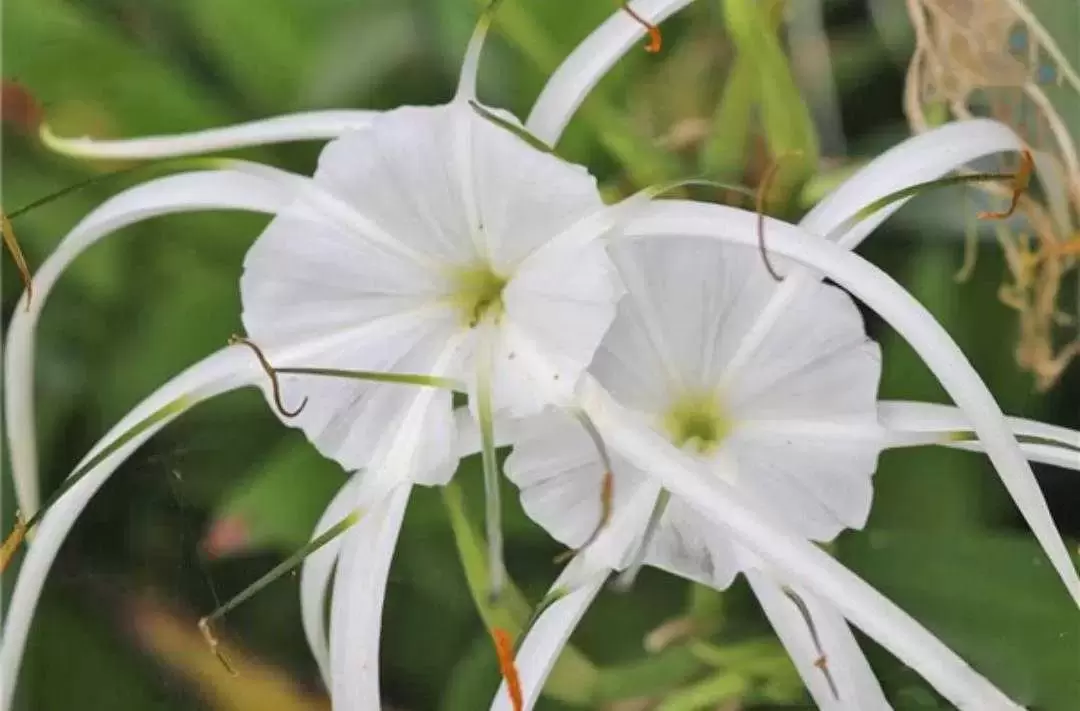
(504, 648)
(1021, 180)
(655, 40)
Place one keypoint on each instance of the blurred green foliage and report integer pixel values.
(942, 541)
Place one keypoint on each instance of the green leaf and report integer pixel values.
(992, 598)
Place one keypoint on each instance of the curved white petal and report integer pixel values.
(317, 570)
(925, 157)
(356, 609)
(227, 369)
(303, 126)
(912, 424)
(921, 158)
(853, 687)
(588, 63)
(881, 293)
(930, 417)
(209, 190)
(798, 560)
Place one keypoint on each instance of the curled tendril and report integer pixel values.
(275, 385)
(760, 198)
(504, 649)
(822, 662)
(1021, 181)
(655, 38)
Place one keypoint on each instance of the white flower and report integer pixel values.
(431, 241)
(794, 427)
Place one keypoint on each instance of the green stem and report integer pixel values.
(573, 679)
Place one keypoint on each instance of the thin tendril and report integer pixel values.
(655, 39)
(12, 542)
(271, 373)
(759, 204)
(205, 624)
(16, 252)
(626, 579)
(1021, 181)
(822, 661)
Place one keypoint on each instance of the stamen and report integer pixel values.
(1021, 181)
(759, 202)
(504, 648)
(275, 386)
(214, 644)
(276, 572)
(626, 579)
(822, 661)
(607, 487)
(12, 542)
(16, 252)
(655, 40)
(492, 495)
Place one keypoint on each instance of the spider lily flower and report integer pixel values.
(433, 240)
(796, 431)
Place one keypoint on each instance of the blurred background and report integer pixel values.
(223, 495)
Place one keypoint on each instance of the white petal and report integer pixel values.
(922, 158)
(560, 474)
(852, 676)
(798, 560)
(356, 609)
(881, 293)
(817, 485)
(406, 176)
(227, 369)
(588, 63)
(317, 570)
(212, 190)
(912, 424)
(304, 126)
(929, 418)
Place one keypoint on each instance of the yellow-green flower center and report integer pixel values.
(477, 293)
(697, 420)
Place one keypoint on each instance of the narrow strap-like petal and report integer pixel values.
(304, 126)
(798, 560)
(910, 319)
(925, 157)
(201, 190)
(359, 592)
(828, 658)
(911, 424)
(316, 572)
(225, 370)
(588, 63)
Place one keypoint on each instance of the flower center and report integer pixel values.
(477, 293)
(697, 420)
